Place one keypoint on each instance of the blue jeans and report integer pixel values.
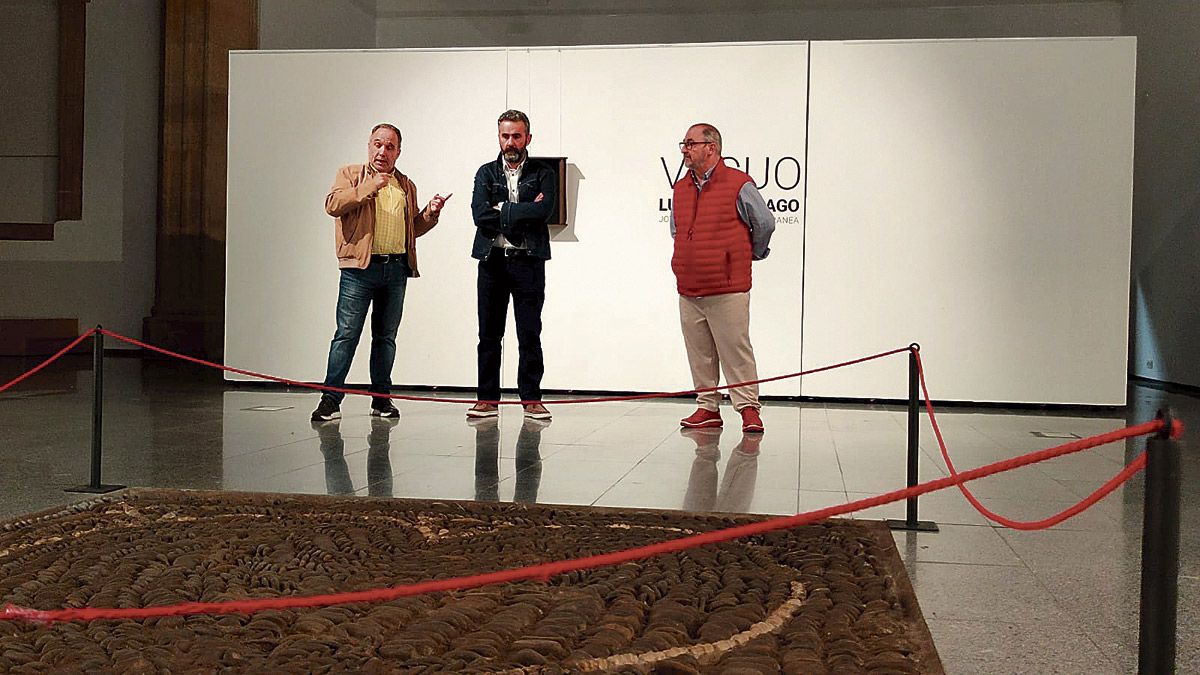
(381, 285)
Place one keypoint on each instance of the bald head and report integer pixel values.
(710, 134)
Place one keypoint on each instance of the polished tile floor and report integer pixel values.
(997, 600)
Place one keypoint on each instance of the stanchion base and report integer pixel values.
(918, 526)
(95, 489)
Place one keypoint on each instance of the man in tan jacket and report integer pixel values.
(377, 223)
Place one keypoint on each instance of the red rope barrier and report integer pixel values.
(1057, 518)
(434, 399)
(43, 364)
(546, 570)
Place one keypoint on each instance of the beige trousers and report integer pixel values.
(716, 332)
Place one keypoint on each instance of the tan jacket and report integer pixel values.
(353, 211)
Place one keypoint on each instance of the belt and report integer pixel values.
(386, 258)
(509, 251)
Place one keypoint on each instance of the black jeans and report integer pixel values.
(524, 278)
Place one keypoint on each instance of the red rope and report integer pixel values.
(546, 570)
(1057, 518)
(434, 399)
(52, 359)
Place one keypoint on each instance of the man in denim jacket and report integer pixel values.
(513, 199)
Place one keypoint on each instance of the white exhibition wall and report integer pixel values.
(973, 196)
(294, 118)
(611, 319)
(611, 316)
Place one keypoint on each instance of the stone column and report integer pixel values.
(189, 291)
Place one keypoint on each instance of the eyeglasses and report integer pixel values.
(688, 145)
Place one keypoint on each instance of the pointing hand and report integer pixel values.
(436, 204)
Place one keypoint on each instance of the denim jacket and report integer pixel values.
(522, 222)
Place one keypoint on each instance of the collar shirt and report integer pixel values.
(512, 178)
(391, 206)
(701, 181)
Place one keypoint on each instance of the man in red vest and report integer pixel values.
(720, 223)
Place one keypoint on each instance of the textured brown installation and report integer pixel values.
(831, 597)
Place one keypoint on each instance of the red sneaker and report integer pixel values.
(751, 421)
(481, 410)
(536, 411)
(702, 419)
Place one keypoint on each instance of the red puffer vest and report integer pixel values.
(712, 243)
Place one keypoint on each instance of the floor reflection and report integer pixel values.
(487, 459)
(736, 487)
(379, 461)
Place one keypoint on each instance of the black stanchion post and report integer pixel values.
(910, 521)
(1160, 552)
(96, 486)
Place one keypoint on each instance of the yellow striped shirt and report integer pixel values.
(391, 204)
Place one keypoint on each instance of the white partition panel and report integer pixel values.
(612, 318)
(973, 196)
(294, 118)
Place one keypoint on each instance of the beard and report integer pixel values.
(513, 156)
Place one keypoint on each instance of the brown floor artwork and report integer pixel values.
(826, 598)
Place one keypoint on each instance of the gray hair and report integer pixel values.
(710, 134)
(385, 125)
(514, 116)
